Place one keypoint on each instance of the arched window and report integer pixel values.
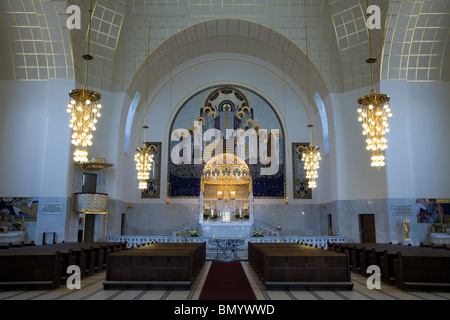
(323, 118)
(129, 123)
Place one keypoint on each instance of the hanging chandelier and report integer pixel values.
(144, 159)
(144, 156)
(311, 158)
(84, 107)
(310, 153)
(374, 111)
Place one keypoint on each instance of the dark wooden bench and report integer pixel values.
(5, 245)
(428, 270)
(20, 269)
(88, 256)
(168, 265)
(362, 255)
(385, 259)
(286, 265)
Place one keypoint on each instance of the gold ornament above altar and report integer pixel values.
(226, 175)
(225, 168)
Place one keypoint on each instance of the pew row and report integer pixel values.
(30, 270)
(154, 266)
(422, 270)
(45, 266)
(281, 265)
(404, 266)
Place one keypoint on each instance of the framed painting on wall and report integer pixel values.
(432, 210)
(18, 208)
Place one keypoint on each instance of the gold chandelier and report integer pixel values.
(311, 158)
(84, 107)
(310, 153)
(144, 159)
(374, 111)
(144, 156)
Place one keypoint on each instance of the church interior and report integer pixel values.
(224, 150)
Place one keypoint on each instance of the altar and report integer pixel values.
(440, 238)
(226, 198)
(226, 231)
(13, 236)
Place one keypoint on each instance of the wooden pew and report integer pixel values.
(285, 265)
(386, 260)
(74, 253)
(429, 270)
(40, 262)
(256, 253)
(360, 254)
(363, 255)
(173, 265)
(95, 254)
(20, 268)
(5, 245)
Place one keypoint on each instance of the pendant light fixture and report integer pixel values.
(144, 155)
(84, 107)
(374, 111)
(310, 153)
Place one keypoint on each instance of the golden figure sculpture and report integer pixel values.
(406, 227)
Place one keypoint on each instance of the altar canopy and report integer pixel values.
(226, 190)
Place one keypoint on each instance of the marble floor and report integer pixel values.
(92, 289)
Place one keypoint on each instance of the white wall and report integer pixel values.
(418, 145)
(35, 138)
(417, 154)
(106, 140)
(356, 179)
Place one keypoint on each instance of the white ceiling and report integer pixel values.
(35, 43)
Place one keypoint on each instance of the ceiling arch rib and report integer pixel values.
(171, 17)
(107, 20)
(34, 42)
(416, 44)
(275, 49)
(349, 19)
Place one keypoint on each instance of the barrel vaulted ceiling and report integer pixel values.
(35, 43)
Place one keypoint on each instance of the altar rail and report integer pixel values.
(316, 241)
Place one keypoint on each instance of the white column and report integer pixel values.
(240, 208)
(200, 208)
(250, 206)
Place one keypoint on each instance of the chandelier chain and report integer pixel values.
(88, 56)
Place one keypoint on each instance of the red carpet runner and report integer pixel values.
(226, 281)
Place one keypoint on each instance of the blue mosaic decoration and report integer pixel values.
(226, 107)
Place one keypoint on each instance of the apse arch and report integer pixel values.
(244, 117)
(229, 36)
